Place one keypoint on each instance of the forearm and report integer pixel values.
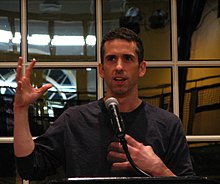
(23, 142)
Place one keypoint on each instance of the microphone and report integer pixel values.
(118, 125)
(116, 119)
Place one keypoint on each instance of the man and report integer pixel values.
(82, 139)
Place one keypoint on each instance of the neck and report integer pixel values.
(127, 104)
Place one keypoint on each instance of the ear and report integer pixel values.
(142, 68)
(101, 70)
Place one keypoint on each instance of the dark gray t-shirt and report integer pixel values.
(79, 138)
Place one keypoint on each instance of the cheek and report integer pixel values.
(104, 73)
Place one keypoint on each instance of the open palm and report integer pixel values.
(25, 92)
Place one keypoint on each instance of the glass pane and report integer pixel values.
(200, 100)
(70, 87)
(9, 30)
(156, 87)
(150, 19)
(62, 30)
(206, 158)
(199, 30)
(8, 172)
(7, 90)
(206, 38)
(6, 115)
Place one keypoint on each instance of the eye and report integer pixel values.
(110, 58)
(128, 58)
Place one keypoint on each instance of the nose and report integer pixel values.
(119, 64)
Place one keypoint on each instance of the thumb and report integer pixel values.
(44, 88)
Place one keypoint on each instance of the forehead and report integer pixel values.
(120, 45)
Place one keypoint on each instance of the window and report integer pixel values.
(158, 90)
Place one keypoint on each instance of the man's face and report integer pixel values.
(120, 68)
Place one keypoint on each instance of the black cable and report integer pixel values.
(125, 147)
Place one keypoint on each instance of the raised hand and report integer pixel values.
(24, 96)
(25, 92)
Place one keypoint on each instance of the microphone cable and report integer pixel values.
(125, 148)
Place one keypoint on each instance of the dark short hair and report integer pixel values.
(125, 34)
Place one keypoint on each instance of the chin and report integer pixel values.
(119, 93)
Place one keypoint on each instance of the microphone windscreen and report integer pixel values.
(111, 101)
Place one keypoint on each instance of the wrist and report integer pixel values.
(20, 108)
(162, 170)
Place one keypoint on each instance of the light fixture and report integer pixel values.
(158, 19)
(131, 19)
(50, 6)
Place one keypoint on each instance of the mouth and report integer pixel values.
(119, 79)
